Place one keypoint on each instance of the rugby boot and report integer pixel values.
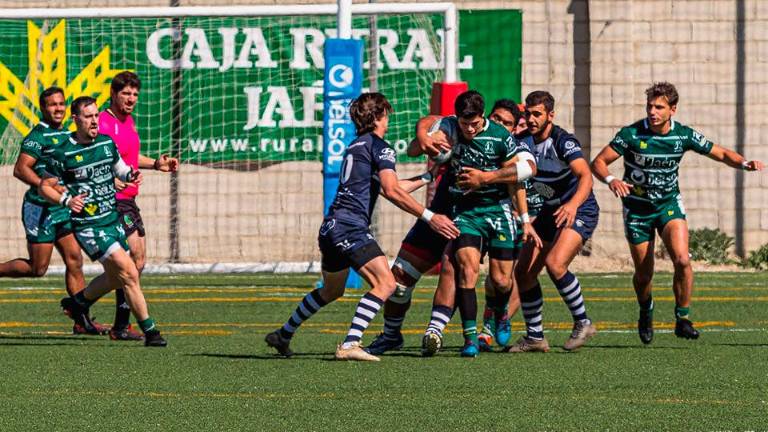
(278, 342)
(470, 349)
(153, 339)
(684, 329)
(353, 353)
(384, 343)
(524, 345)
(645, 326)
(503, 330)
(582, 331)
(125, 334)
(431, 343)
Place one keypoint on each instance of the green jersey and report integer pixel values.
(651, 160)
(487, 151)
(39, 144)
(88, 168)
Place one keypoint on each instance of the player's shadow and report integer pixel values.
(43, 340)
(741, 344)
(322, 356)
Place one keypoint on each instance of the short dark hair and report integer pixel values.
(540, 97)
(366, 109)
(469, 104)
(125, 79)
(50, 91)
(509, 105)
(663, 89)
(78, 104)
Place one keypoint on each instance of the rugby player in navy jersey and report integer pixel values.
(567, 217)
(345, 239)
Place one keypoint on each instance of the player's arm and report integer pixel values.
(164, 163)
(414, 183)
(24, 169)
(566, 214)
(733, 159)
(50, 190)
(126, 173)
(517, 191)
(600, 164)
(428, 143)
(520, 168)
(391, 190)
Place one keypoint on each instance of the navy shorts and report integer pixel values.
(585, 222)
(344, 244)
(424, 242)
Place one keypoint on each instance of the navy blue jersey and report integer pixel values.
(554, 182)
(359, 183)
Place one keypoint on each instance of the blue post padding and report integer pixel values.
(342, 82)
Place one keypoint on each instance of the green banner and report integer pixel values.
(251, 88)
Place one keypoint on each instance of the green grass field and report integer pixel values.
(217, 373)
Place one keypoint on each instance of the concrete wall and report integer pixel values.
(596, 57)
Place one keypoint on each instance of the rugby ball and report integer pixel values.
(442, 157)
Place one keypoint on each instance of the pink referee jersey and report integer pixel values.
(127, 141)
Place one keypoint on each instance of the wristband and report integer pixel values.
(745, 165)
(609, 178)
(426, 215)
(427, 177)
(155, 166)
(64, 199)
(525, 218)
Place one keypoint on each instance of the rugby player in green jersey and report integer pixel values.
(87, 164)
(47, 225)
(652, 149)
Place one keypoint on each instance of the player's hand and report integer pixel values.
(434, 143)
(77, 202)
(471, 179)
(620, 188)
(137, 178)
(59, 188)
(754, 165)
(444, 226)
(565, 215)
(120, 185)
(166, 163)
(529, 235)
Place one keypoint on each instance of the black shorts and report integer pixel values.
(587, 216)
(130, 217)
(345, 245)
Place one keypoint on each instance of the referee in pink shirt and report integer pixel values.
(117, 122)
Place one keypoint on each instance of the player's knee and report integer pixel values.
(402, 294)
(39, 270)
(73, 261)
(555, 268)
(681, 261)
(140, 263)
(643, 278)
(500, 282)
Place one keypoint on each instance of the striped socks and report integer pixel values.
(366, 310)
(441, 316)
(310, 304)
(532, 302)
(570, 290)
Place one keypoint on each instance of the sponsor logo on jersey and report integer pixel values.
(637, 176)
(91, 209)
(643, 145)
(388, 154)
(78, 158)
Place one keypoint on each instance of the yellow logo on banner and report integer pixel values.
(48, 67)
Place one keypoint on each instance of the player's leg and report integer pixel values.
(442, 306)
(642, 280)
(73, 261)
(133, 225)
(412, 261)
(467, 264)
(527, 270)
(500, 275)
(35, 266)
(675, 236)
